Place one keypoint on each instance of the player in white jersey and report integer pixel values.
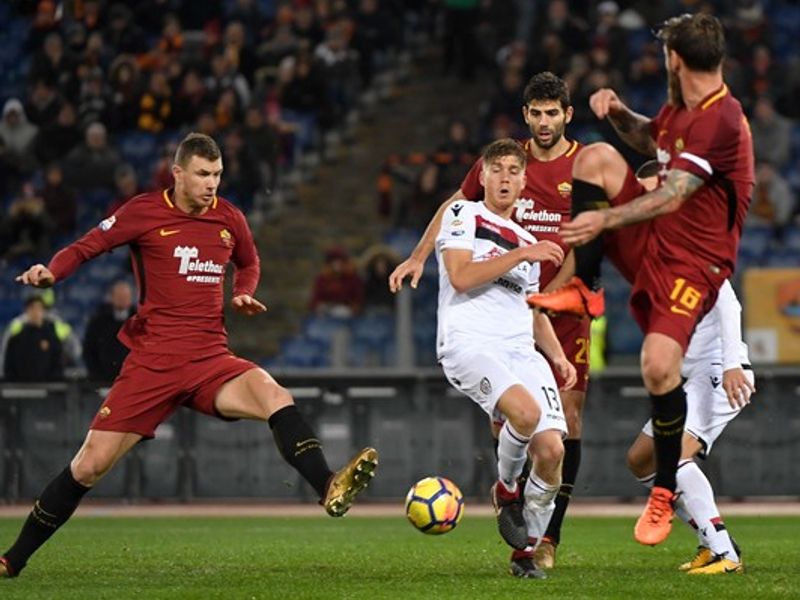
(718, 381)
(485, 344)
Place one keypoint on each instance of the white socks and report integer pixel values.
(698, 498)
(512, 452)
(539, 506)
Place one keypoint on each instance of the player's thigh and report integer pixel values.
(625, 246)
(99, 452)
(253, 394)
(520, 408)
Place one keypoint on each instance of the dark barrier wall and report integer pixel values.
(419, 425)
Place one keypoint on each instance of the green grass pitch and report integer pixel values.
(382, 557)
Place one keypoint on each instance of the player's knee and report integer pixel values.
(90, 466)
(593, 159)
(659, 376)
(549, 452)
(524, 418)
(278, 397)
(638, 463)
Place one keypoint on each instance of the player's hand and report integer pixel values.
(568, 373)
(247, 305)
(583, 228)
(38, 276)
(410, 266)
(605, 101)
(737, 387)
(544, 251)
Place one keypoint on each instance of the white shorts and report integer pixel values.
(708, 411)
(484, 374)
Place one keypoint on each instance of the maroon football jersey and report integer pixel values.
(712, 141)
(544, 203)
(179, 261)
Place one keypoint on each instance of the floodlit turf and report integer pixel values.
(249, 558)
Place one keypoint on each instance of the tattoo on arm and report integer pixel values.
(634, 129)
(678, 186)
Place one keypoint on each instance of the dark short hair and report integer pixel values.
(196, 144)
(698, 39)
(504, 147)
(546, 86)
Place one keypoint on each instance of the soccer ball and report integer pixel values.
(434, 505)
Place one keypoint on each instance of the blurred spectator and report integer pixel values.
(224, 75)
(761, 76)
(17, 138)
(771, 134)
(54, 141)
(168, 45)
(238, 50)
(375, 34)
(155, 104)
(94, 104)
(91, 165)
(125, 90)
(60, 202)
(460, 43)
(507, 100)
(340, 69)
(773, 201)
(379, 261)
(25, 230)
(162, 174)
(242, 176)
(609, 36)
(127, 186)
(571, 31)
(103, 353)
(122, 33)
(54, 64)
(43, 104)
(338, 290)
(305, 26)
(262, 142)
(190, 99)
(32, 349)
(303, 97)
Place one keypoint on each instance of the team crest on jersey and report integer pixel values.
(227, 238)
(679, 145)
(564, 188)
(108, 223)
(485, 386)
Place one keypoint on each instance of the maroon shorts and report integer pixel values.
(671, 298)
(625, 247)
(151, 386)
(574, 337)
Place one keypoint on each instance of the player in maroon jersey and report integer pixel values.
(181, 241)
(543, 206)
(678, 261)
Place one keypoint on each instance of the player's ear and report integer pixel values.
(569, 112)
(482, 175)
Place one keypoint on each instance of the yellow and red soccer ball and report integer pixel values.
(434, 505)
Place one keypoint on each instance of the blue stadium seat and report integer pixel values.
(754, 242)
(322, 328)
(304, 353)
(402, 241)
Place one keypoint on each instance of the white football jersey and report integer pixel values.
(496, 311)
(718, 337)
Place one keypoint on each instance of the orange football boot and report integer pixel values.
(573, 298)
(654, 525)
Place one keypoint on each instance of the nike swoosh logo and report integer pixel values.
(165, 232)
(660, 423)
(679, 311)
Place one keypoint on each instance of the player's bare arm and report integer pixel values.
(37, 276)
(564, 274)
(633, 128)
(546, 340)
(677, 188)
(247, 305)
(415, 263)
(466, 274)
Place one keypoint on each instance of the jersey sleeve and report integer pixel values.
(710, 146)
(245, 258)
(729, 317)
(458, 227)
(471, 185)
(534, 274)
(123, 227)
